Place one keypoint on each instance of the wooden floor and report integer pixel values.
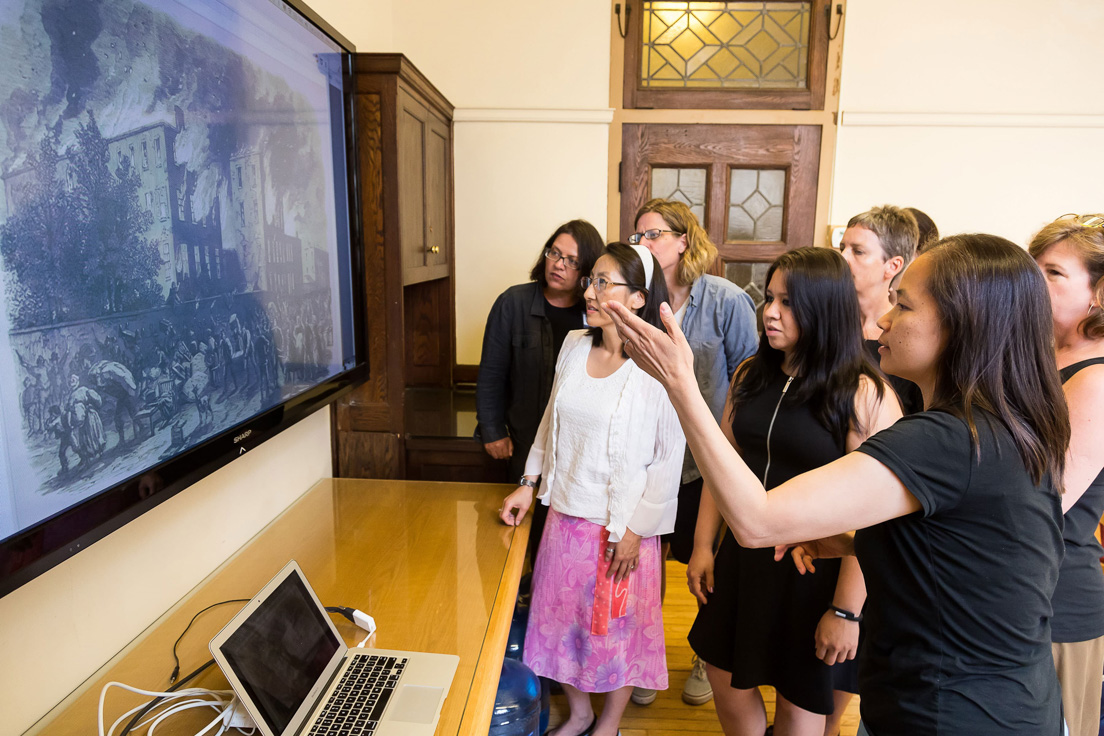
(668, 714)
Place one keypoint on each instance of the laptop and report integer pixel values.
(293, 673)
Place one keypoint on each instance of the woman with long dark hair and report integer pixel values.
(608, 454)
(960, 530)
(524, 332)
(808, 396)
(1070, 253)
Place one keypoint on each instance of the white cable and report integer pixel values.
(197, 694)
(154, 716)
(217, 720)
(169, 697)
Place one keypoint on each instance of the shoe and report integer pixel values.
(643, 696)
(589, 729)
(697, 690)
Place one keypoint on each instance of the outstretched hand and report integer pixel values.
(840, 545)
(665, 356)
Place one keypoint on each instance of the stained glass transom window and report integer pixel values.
(682, 185)
(756, 199)
(748, 45)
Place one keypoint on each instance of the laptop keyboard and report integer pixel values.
(357, 703)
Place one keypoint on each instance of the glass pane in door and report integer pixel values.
(682, 185)
(756, 204)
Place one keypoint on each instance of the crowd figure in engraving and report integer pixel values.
(93, 392)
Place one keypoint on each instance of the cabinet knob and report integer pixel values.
(435, 249)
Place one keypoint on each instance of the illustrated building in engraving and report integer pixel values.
(271, 260)
(190, 245)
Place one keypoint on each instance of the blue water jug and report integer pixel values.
(517, 708)
(515, 642)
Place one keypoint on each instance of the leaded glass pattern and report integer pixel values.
(717, 45)
(751, 277)
(681, 185)
(756, 204)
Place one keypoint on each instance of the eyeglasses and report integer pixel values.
(1085, 220)
(652, 234)
(555, 256)
(601, 284)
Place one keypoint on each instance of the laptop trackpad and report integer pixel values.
(415, 704)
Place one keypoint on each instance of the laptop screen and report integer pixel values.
(280, 651)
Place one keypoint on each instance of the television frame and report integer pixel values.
(108, 510)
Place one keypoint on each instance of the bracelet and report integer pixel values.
(845, 614)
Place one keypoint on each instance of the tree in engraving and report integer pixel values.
(120, 266)
(39, 243)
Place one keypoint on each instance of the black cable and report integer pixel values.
(617, 10)
(839, 12)
(344, 611)
(153, 703)
(176, 659)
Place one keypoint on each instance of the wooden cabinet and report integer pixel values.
(425, 191)
(403, 130)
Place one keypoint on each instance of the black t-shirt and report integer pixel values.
(958, 609)
(1079, 598)
(563, 320)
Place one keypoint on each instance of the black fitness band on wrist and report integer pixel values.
(845, 614)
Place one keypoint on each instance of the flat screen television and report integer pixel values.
(177, 270)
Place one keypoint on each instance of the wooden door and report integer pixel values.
(753, 187)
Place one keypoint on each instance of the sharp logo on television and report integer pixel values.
(172, 214)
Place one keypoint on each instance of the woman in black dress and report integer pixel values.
(809, 395)
(959, 519)
(1070, 253)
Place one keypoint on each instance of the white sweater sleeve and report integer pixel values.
(655, 511)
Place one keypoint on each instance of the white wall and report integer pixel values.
(59, 628)
(530, 82)
(531, 92)
(983, 114)
(515, 184)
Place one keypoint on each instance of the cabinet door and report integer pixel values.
(412, 124)
(438, 195)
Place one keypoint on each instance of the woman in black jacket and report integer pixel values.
(525, 329)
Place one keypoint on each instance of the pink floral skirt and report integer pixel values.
(559, 643)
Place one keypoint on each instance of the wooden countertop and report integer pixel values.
(430, 562)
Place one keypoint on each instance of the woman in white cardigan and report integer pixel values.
(609, 451)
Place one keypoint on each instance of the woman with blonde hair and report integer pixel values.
(1070, 252)
(718, 319)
